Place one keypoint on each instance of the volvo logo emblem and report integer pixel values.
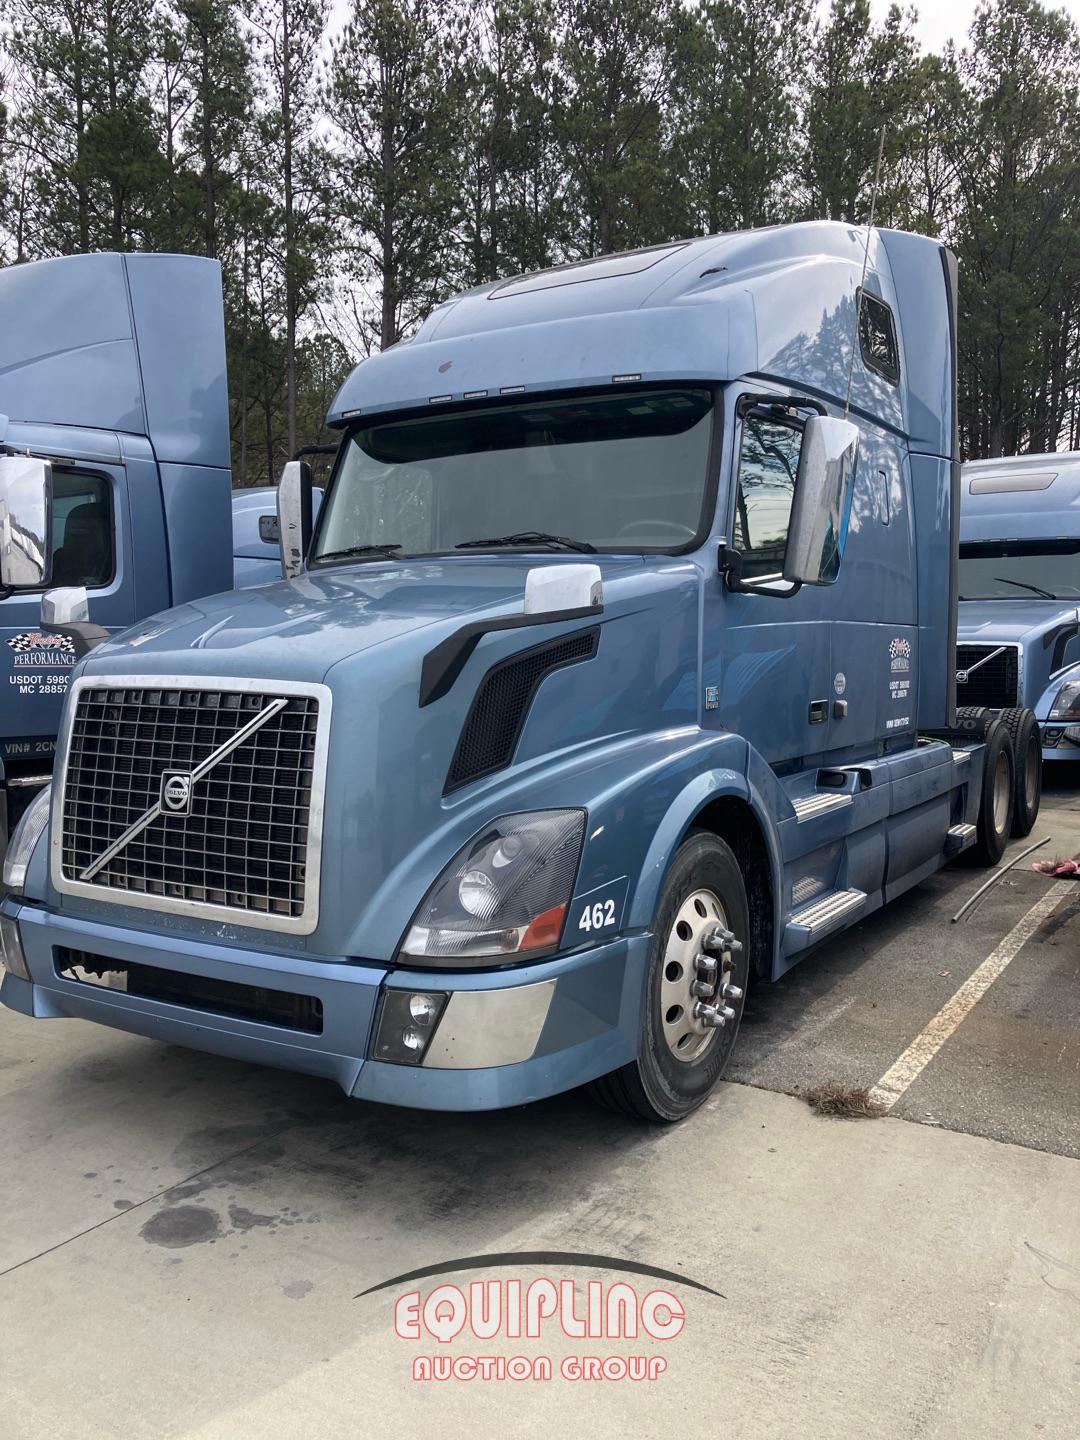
(176, 793)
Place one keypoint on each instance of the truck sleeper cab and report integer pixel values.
(619, 670)
(1019, 620)
(112, 372)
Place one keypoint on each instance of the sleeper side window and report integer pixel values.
(765, 489)
(83, 549)
(877, 338)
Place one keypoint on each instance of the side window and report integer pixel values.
(877, 338)
(82, 536)
(768, 464)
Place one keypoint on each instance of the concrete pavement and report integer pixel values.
(184, 1237)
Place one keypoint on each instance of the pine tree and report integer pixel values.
(393, 99)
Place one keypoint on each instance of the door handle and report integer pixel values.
(819, 712)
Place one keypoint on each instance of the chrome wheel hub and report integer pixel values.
(696, 987)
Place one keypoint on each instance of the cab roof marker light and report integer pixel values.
(475, 395)
(439, 399)
(623, 379)
(512, 390)
(349, 414)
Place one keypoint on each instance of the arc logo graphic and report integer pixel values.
(542, 1310)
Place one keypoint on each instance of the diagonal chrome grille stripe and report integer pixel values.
(970, 669)
(215, 758)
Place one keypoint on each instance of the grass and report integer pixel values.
(842, 1102)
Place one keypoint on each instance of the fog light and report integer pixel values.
(407, 1022)
(11, 951)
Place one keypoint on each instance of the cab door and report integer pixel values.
(767, 654)
(87, 543)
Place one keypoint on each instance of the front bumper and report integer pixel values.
(1056, 744)
(588, 1025)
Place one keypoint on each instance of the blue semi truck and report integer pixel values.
(112, 367)
(1019, 625)
(618, 672)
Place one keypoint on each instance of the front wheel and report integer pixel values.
(698, 968)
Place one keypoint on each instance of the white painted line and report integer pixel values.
(926, 1045)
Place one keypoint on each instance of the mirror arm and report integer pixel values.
(730, 565)
(746, 403)
(83, 634)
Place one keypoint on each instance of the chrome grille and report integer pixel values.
(991, 682)
(247, 836)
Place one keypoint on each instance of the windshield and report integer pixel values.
(1015, 569)
(617, 472)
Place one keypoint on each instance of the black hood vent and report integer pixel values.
(496, 717)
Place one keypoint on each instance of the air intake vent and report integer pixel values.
(493, 727)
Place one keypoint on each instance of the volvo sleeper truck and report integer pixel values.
(112, 371)
(618, 672)
(1019, 625)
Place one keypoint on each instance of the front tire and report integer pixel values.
(684, 1051)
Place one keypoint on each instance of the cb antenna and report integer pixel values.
(865, 260)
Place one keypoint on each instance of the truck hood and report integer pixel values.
(1047, 633)
(301, 629)
(1012, 621)
(392, 818)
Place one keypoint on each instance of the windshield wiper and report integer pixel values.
(1035, 589)
(528, 537)
(351, 551)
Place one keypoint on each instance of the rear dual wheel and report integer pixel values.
(1023, 730)
(698, 967)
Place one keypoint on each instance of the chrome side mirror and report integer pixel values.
(25, 522)
(554, 589)
(821, 510)
(66, 611)
(294, 516)
(66, 605)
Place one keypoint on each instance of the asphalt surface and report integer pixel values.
(1012, 1069)
(186, 1238)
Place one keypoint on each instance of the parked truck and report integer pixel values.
(1019, 625)
(620, 670)
(112, 368)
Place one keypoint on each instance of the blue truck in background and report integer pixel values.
(112, 367)
(618, 672)
(1018, 642)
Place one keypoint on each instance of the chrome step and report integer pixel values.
(958, 837)
(812, 921)
(810, 806)
(961, 757)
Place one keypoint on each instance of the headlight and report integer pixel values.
(1067, 705)
(27, 834)
(505, 893)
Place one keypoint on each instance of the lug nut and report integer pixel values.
(716, 939)
(727, 1012)
(705, 965)
(703, 988)
(710, 1016)
(732, 992)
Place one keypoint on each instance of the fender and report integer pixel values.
(676, 824)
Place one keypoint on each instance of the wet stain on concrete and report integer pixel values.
(297, 1289)
(182, 1225)
(123, 1204)
(244, 1219)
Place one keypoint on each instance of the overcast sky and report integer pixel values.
(940, 21)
